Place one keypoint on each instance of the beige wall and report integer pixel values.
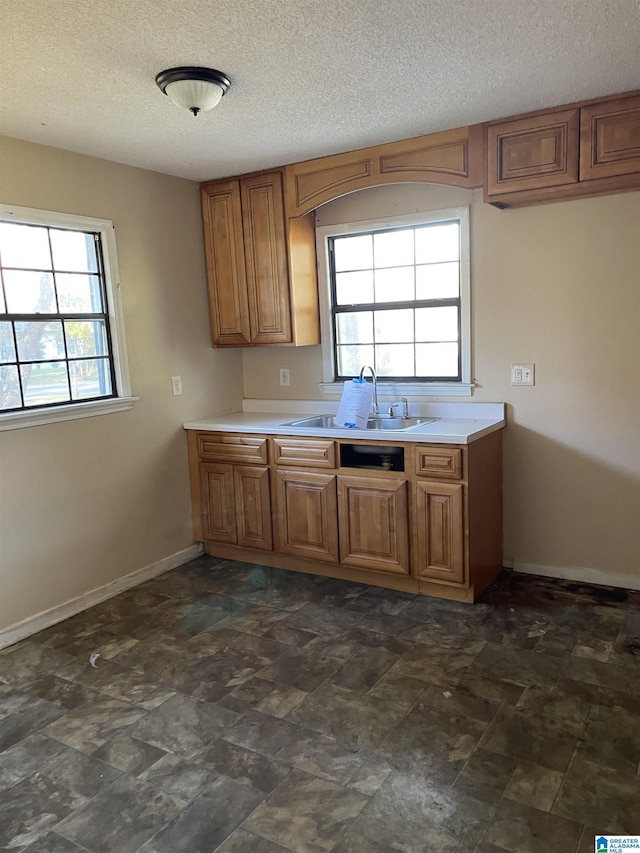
(557, 285)
(85, 502)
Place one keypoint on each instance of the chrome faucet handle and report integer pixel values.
(391, 408)
(405, 407)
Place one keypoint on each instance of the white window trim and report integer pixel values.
(124, 400)
(394, 389)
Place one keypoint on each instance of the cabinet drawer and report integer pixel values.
(312, 453)
(442, 462)
(227, 447)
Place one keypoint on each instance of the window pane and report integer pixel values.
(9, 387)
(353, 253)
(435, 243)
(438, 281)
(393, 248)
(86, 337)
(90, 378)
(29, 292)
(395, 284)
(354, 287)
(73, 251)
(44, 383)
(24, 246)
(356, 327)
(39, 341)
(437, 324)
(392, 325)
(79, 294)
(351, 359)
(395, 360)
(437, 360)
(7, 346)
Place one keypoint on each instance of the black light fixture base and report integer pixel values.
(192, 72)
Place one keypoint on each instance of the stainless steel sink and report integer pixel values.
(375, 422)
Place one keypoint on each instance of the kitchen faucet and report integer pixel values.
(376, 410)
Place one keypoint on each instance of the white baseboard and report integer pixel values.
(50, 617)
(577, 574)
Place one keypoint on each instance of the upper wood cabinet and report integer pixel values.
(452, 157)
(261, 269)
(610, 139)
(588, 149)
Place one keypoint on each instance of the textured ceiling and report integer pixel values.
(309, 77)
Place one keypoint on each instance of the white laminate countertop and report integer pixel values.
(457, 423)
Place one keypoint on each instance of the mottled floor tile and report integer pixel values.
(27, 661)
(207, 820)
(306, 814)
(373, 771)
(399, 689)
(320, 755)
(611, 738)
(364, 669)
(243, 765)
(303, 668)
(434, 664)
(82, 774)
(534, 786)
(178, 777)
(522, 829)
(121, 817)
(25, 757)
(128, 754)
(88, 726)
(32, 807)
(607, 675)
(12, 699)
(182, 725)
(280, 700)
(409, 815)
(355, 720)
(519, 666)
(241, 841)
(486, 775)
(459, 700)
(27, 720)
(547, 741)
(600, 796)
(52, 843)
(60, 691)
(260, 732)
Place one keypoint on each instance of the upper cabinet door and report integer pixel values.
(265, 246)
(226, 273)
(610, 139)
(532, 153)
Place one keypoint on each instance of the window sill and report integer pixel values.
(394, 390)
(35, 417)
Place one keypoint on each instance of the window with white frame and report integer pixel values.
(61, 334)
(397, 299)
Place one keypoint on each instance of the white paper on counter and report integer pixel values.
(354, 408)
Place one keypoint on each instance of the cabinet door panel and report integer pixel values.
(226, 273)
(439, 523)
(253, 507)
(266, 259)
(610, 139)
(307, 515)
(218, 510)
(532, 153)
(373, 522)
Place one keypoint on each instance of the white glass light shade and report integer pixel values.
(194, 94)
(193, 88)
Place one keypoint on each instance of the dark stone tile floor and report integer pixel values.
(238, 708)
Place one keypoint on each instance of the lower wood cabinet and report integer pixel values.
(432, 526)
(439, 526)
(236, 505)
(373, 523)
(307, 515)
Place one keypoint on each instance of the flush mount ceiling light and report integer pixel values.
(192, 88)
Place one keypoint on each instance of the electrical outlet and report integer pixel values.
(176, 385)
(285, 376)
(522, 374)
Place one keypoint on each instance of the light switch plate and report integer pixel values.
(176, 385)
